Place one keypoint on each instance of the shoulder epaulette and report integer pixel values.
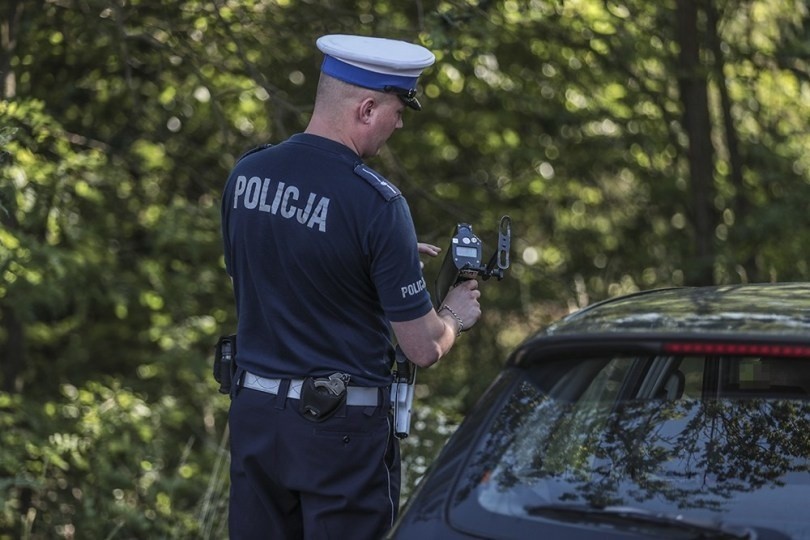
(384, 187)
(253, 151)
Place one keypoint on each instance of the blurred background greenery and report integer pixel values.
(635, 145)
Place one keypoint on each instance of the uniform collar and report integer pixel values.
(325, 144)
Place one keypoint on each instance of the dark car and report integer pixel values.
(674, 413)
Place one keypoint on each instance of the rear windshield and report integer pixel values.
(718, 440)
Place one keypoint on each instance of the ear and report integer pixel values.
(366, 109)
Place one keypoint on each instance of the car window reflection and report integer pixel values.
(714, 437)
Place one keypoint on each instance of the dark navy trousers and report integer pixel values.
(295, 479)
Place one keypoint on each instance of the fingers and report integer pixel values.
(428, 249)
(463, 299)
(469, 284)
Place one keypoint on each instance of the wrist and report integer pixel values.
(455, 316)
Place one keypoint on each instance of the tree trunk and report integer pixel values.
(739, 204)
(9, 24)
(13, 350)
(692, 82)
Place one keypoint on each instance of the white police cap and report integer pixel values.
(386, 65)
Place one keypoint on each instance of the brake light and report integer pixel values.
(738, 349)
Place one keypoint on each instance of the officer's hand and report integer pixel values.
(463, 300)
(427, 249)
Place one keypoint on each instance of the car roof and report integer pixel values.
(765, 309)
(764, 313)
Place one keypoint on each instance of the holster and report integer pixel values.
(225, 363)
(322, 397)
(402, 390)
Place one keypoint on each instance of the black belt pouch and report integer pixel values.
(317, 401)
(225, 363)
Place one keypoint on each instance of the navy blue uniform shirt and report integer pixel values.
(323, 253)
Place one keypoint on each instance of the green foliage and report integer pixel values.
(99, 462)
(119, 123)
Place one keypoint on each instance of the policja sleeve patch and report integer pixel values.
(385, 188)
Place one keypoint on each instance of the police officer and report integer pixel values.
(325, 264)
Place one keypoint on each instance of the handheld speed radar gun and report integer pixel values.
(462, 261)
